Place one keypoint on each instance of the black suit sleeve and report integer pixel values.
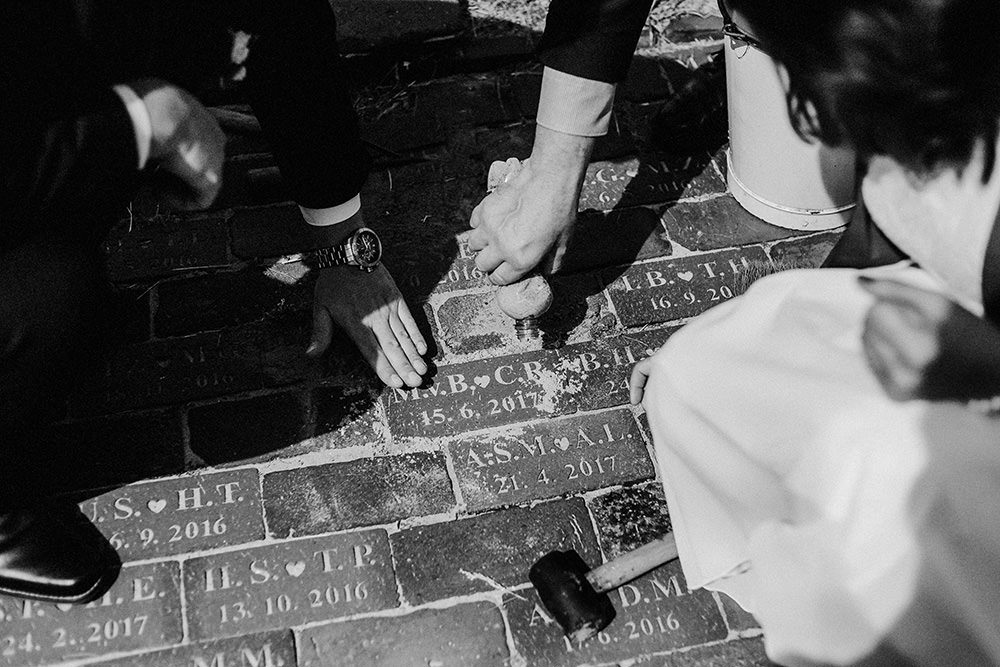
(593, 39)
(67, 143)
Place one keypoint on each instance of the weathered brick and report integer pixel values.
(268, 649)
(548, 459)
(100, 452)
(618, 237)
(718, 223)
(166, 244)
(466, 635)
(737, 618)
(806, 253)
(519, 388)
(460, 557)
(628, 518)
(655, 613)
(739, 653)
(142, 610)
(470, 102)
(289, 583)
(473, 322)
(225, 300)
(648, 179)
(669, 290)
(182, 515)
(238, 430)
(346, 416)
(363, 25)
(325, 498)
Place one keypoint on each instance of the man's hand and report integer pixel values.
(921, 345)
(532, 212)
(187, 144)
(369, 307)
(637, 382)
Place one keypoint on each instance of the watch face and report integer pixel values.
(367, 247)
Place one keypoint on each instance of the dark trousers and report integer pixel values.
(56, 312)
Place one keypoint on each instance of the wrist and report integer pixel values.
(560, 154)
(322, 236)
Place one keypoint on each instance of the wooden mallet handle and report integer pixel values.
(635, 563)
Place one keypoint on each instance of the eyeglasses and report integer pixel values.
(733, 31)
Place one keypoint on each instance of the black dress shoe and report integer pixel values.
(51, 552)
(695, 119)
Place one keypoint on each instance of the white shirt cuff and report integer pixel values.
(322, 217)
(141, 121)
(574, 105)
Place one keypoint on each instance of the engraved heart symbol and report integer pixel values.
(156, 506)
(482, 381)
(295, 567)
(685, 275)
(562, 443)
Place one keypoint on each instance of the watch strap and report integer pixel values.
(331, 256)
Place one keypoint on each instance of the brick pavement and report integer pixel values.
(273, 511)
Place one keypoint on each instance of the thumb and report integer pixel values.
(322, 332)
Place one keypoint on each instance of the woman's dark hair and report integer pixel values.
(917, 80)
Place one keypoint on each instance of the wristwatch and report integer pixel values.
(362, 249)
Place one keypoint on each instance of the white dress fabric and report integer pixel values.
(840, 518)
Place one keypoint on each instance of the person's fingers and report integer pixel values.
(406, 343)
(494, 176)
(477, 239)
(370, 348)
(916, 299)
(322, 332)
(488, 259)
(476, 218)
(637, 382)
(505, 274)
(411, 328)
(393, 351)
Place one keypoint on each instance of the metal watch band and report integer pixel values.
(332, 256)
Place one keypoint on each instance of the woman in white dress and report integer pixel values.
(827, 442)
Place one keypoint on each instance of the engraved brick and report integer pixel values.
(519, 388)
(239, 430)
(141, 610)
(461, 557)
(319, 499)
(225, 300)
(269, 649)
(290, 583)
(618, 237)
(165, 244)
(628, 518)
(474, 322)
(580, 311)
(466, 635)
(718, 223)
(655, 613)
(664, 291)
(182, 515)
(176, 370)
(648, 179)
(462, 273)
(480, 394)
(738, 653)
(553, 458)
(806, 253)
(111, 450)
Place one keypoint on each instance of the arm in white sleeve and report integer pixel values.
(574, 105)
(141, 121)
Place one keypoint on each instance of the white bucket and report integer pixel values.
(772, 172)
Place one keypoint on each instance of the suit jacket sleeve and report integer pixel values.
(68, 143)
(593, 39)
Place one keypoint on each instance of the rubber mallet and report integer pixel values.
(577, 598)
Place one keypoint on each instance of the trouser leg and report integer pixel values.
(55, 309)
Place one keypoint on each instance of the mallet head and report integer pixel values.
(560, 577)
